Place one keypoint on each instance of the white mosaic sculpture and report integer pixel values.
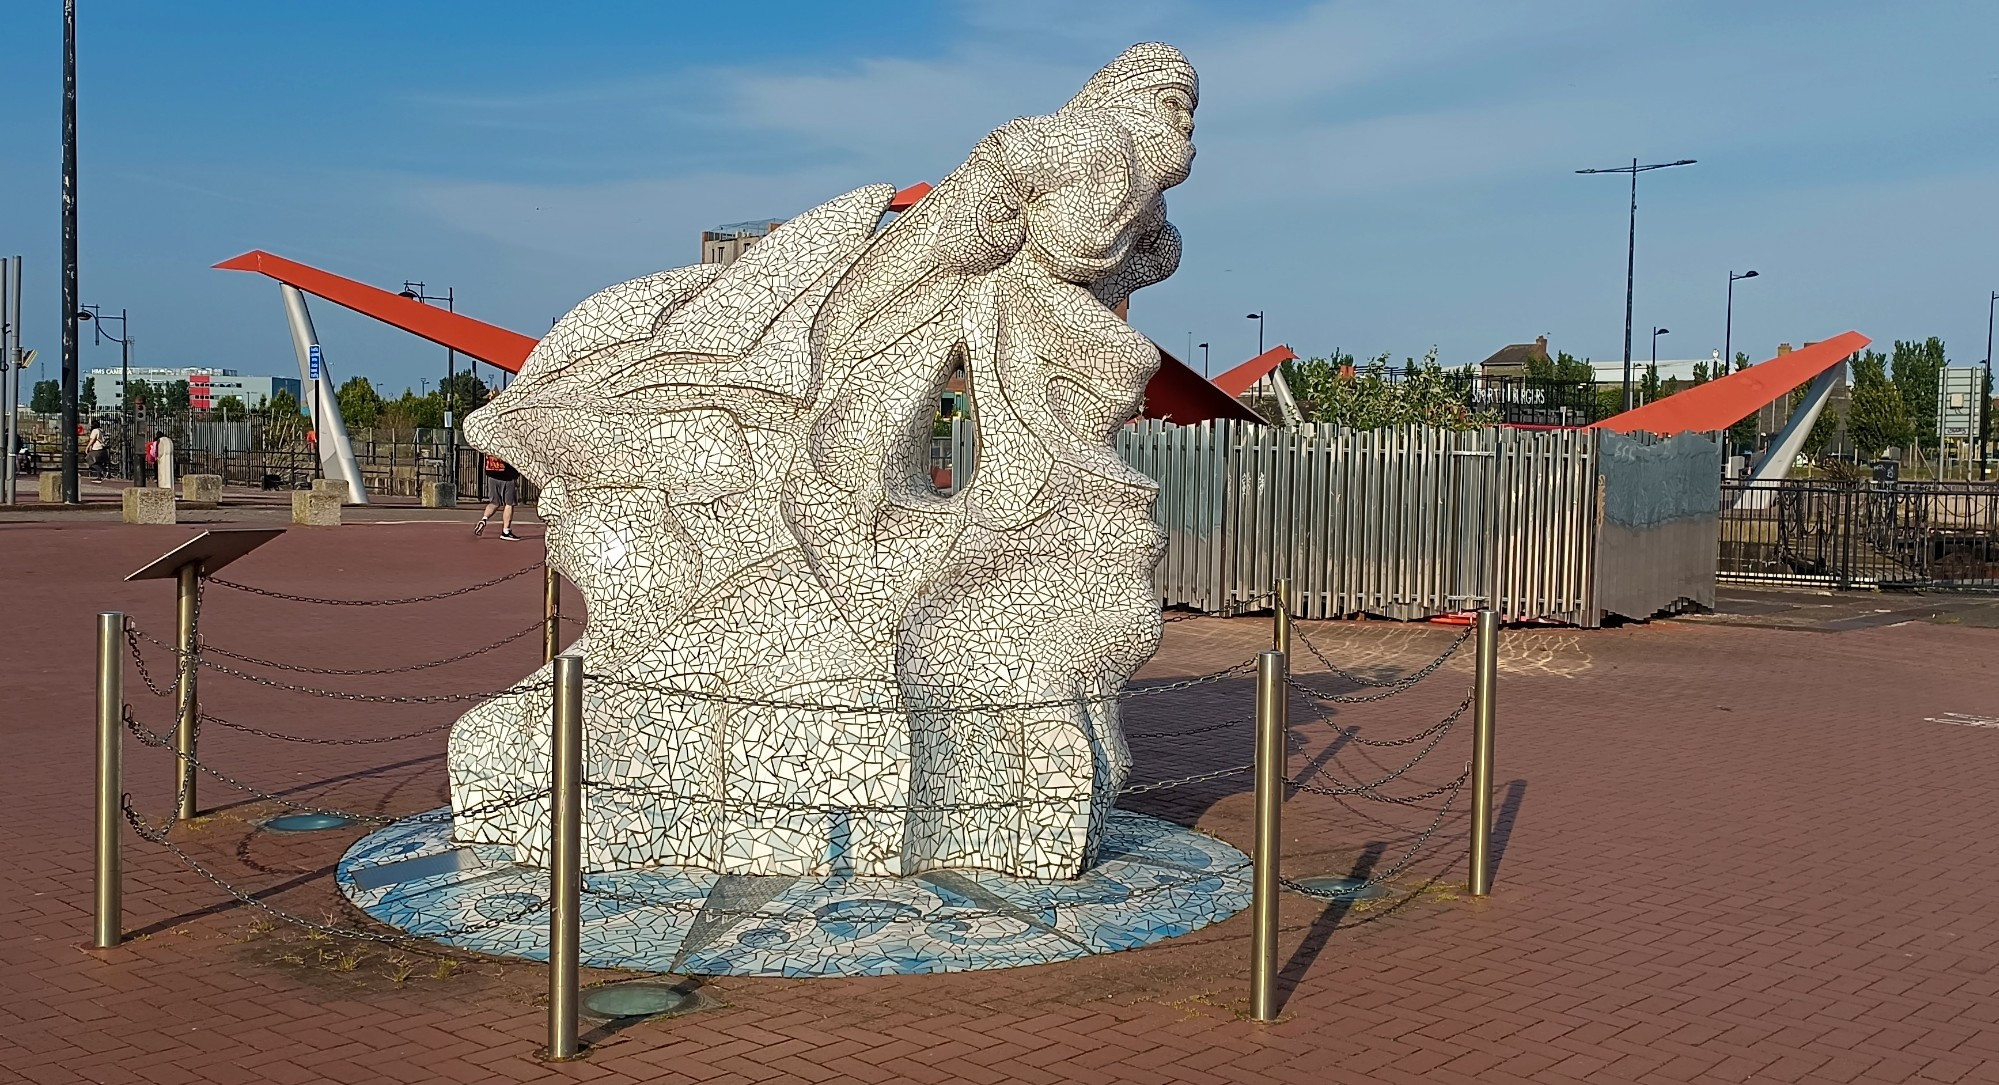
(734, 471)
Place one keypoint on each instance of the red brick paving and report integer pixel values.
(1730, 854)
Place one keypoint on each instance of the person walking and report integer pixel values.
(100, 459)
(503, 491)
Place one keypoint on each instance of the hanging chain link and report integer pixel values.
(1235, 609)
(1182, 781)
(345, 672)
(1387, 689)
(1407, 857)
(323, 601)
(1437, 734)
(280, 736)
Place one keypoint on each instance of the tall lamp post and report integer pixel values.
(1631, 253)
(72, 486)
(1656, 333)
(1985, 393)
(1728, 326)
(1204, 359)
(1258, 317)
(414, 292)
(98, 335)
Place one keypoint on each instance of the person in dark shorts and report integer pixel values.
(503, 491)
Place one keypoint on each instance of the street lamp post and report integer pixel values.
(1728, 325)
(1631, 253)
(1985, 393)
(1204, 359)
(72, 487)
(97, 319)
(1258, 317)
(414, 292)
(1656, 333)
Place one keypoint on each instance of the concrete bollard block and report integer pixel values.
(148, 505)
(201, 491)
(52, 487)
(440, 495)
(332, 486)
(315, 508)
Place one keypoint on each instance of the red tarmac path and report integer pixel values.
(1731, 852)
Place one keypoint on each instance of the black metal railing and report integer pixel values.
(1861, 534)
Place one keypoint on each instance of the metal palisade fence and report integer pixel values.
(1562, 525)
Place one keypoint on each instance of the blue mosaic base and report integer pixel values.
(1154, 880)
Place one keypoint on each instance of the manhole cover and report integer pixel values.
(626, 1000)
(1343, 888)
(306, 823)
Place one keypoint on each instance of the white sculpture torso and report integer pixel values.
(733, 466)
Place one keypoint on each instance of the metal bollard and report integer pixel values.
(188, 593)
(1280, 626)
(551, 611)
(1485, 694)
(1271, 727)
(110, 928)
(565, 856)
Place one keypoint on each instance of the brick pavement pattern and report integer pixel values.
(1727, 853)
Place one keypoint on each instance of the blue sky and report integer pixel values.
(1377, 177)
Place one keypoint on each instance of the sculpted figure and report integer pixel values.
(800, 651)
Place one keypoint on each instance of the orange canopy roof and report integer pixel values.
(1721, 403)
(1175, 392)
(1244, 377)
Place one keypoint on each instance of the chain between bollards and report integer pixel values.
(551, 611)
(565, 856)
(1271, 748)
(110, 929)
(188, 600)
(1485, 697)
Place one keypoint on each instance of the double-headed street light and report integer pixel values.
(413, 290)
(97, 319)
(1728, 326)
(1631, 253)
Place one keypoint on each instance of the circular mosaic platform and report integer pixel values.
(1154, 880)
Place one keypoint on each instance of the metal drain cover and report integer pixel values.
(639, 999)
(306, 823)
(1343, 888)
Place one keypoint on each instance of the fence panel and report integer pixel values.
(1933, 536)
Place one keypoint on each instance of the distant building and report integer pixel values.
(205, 385)
(1511, 360)
(725, 243)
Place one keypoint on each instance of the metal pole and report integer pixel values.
(551, 610)
(188, 593)
(1728, 331)
(565, 857)
(1630, 276)
(7, 422)
(1280, 631)
(72, 490)
(1986, 392)
(110, 928)
(124, 398)
(1271, 725)
(1486, 689)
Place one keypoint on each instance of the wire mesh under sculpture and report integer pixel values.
(732, 463)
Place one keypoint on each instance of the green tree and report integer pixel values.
(1700, 373)
(140, 395)
(1649, 388)
(1562, 367)
(178, 396)
(1876, 416)
(1336, 391)
(465, 392)
(47, 398)
(231, 409)
(360, 404)
(1917, 371)
(87, 399)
